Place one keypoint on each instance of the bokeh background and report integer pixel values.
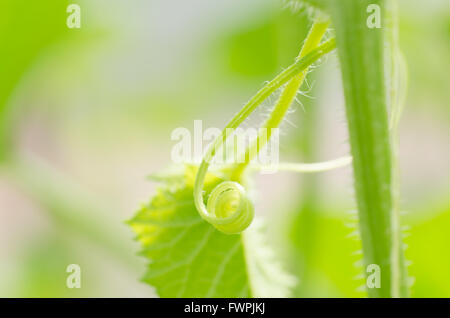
(86, 114)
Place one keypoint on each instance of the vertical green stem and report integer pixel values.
(361, 54)
(399, 79)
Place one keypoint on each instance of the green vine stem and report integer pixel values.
(286, 99)
(228, 208)
(398, 89)
(361, 54)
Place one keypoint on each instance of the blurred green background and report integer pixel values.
(86, 114)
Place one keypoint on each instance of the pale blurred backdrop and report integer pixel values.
(87, 114)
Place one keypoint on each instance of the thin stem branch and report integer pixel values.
(286, 99)
(307, 167)
(299, 66)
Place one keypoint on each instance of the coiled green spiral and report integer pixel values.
(229, 203)
(228, 207)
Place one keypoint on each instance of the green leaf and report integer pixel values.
(190, 258)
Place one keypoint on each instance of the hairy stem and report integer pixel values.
(361, 53)
(299, 66)
(286, 99)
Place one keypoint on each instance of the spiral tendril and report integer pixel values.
(228, 208)
(229, 202)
